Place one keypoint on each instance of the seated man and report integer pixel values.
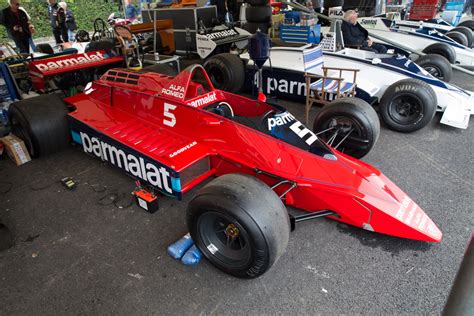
(355, 35)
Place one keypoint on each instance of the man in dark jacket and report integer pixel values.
(355, 35)
(18, 25)
(57, 17)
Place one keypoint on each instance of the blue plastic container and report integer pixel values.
(192, 257)
(177, 249)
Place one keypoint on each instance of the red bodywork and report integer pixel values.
(43, 70)
(155, 127)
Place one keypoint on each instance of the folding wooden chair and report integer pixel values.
(326, 89)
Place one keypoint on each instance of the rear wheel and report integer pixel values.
(226, 72)
(44, 48)
(408, 105)
(442, 49)
(240, 225)
(466, 31)
(6, 238)
(107, 44)
(349, 125)
(458, 37)
(437, 66)
(258, 14)
(468, 23)
(41, 123)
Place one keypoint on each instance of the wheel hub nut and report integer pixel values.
(232, 231)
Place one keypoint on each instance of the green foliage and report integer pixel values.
(85, 12)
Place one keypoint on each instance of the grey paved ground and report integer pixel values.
(75, 252)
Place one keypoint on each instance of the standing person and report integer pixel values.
(131, 11)
(70, 21)
(57, 17)
(18, 25)
(32, 30)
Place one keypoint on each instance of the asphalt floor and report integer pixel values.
(90, 251)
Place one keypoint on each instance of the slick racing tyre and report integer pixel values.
(468, 23)
(6, 238)
(333, 3)
(458, 37)
(466, 31)
(240, 225)
(442, 49)
(408, 105)
(41, 123)
(105, 44)
(258, 14)
(44, 48)
(257, 3)
(226, 72)
(437, 66)
(349, 125)
(163, 69)
(253, 27)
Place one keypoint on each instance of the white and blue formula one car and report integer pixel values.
(407, 95)
(424, 40)
(440, 26)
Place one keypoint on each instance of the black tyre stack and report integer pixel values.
(258, 15)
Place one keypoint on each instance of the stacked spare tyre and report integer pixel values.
(258, 15)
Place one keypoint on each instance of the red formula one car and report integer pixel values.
(174, 132)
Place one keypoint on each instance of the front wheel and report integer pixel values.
(240, 225)
(408, 105)
(437, 66)
(349, 125)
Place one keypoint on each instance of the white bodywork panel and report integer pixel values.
(457, 105)
(464, 56)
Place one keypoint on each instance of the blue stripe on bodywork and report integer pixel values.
(76, 137)
(395, 67)
(434, 38)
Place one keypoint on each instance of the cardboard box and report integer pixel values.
(15, 149)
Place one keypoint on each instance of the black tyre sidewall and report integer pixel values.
(258, 14)
(442, 49)
(439, 62)
(466, 31)
(44, 118)
(458, 37)
(333, 3)
(256, 208)
(44, 48)
(258, 3)
(17, 117)
(232, 69)
(258, 243)
(365, 118)
(414, 88)
(468, 23)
